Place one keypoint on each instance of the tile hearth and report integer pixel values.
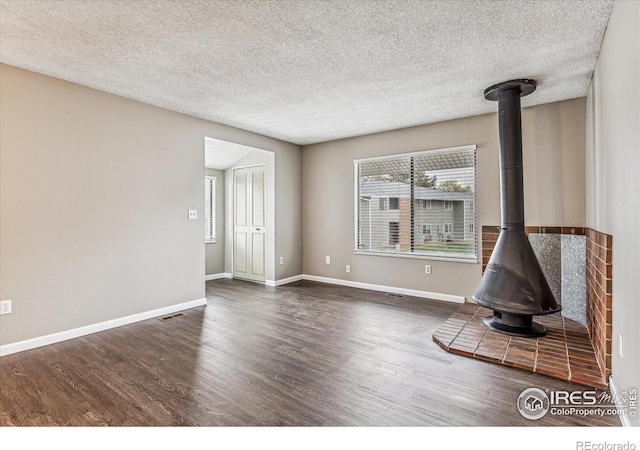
(565, 352)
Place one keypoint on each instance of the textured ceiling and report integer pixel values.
(310, 71)
(221, 155)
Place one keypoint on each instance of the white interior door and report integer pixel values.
(249, 223)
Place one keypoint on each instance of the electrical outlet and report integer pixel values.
(193, 214)
(281, 260)
(427, 269)
(348, 268)
(327, 259)
(5, 307)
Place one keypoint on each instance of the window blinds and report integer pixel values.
(419, 204)
(210, 208)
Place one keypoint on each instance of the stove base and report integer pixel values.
(514, 325)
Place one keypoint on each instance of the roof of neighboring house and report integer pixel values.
(374, 188)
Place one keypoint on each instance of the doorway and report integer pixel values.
(249, 223)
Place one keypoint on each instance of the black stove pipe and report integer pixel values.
(511, 177)
(513, 284)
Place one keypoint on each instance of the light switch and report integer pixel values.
(193, 214)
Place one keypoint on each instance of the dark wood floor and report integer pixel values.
(302, 354)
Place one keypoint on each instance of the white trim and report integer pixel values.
(381, 288)
(624, 418)
(41, 341)
(216, 276)
(459, 259)
(462, 148)
(287, 280)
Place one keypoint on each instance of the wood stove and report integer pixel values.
(513, 284)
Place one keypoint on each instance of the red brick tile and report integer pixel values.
(520, 364)
(548, 355)
(552, 372)
(589, 380)
(573, 230)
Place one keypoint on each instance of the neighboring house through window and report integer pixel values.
(419, 204)
(394, 229)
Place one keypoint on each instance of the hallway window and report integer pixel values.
(210, 208)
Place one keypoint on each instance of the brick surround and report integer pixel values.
(599, 296)
(598, 283)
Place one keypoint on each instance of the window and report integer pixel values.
(210, 209)
(425, 200)
(472, 228)
(394, 228)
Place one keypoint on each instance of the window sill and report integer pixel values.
(425, 257)
(211, 241)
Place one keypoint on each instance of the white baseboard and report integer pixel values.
(217, 276)
(41, 341)
(394, 290)
(624, 418)
(285, 280)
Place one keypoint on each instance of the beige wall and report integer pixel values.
(94, 193)
(214, 251)
(288, 214)
(553, 139)
(612, 175)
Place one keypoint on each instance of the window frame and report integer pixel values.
(210, 238)
(423, 256)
